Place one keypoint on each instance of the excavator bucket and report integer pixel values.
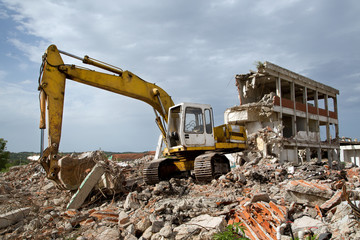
(72, 169)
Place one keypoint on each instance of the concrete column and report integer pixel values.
(336, 154)
(297, 156)
(326, 104)
(319, 154)
(330, 157)
(278, 87)
(278, 93)
(335, 105)
(240, 90)
(304, 95)
(342, 155)
(308, 154)
(307, 110)
(316, 101)
(292, 91)
(328, 137)
(337, 116)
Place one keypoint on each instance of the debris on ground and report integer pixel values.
(271, 200)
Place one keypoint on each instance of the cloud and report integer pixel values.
(353, 99)
(27, 82)
(355, 75)
(3, 14)
(19, 118)
(30, 50)
(267, 8)
(2, 75)
(192, 49)
(21, 105)
(162, 58)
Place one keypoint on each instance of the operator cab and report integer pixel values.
(190, 125)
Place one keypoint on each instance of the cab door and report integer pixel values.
(209, 128)
(194, 127)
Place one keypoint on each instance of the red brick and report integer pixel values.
(87, 222)
(104, 214)
(318, 211)
(332, 202)
(260, 219)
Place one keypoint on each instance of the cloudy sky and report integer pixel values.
(192, 49)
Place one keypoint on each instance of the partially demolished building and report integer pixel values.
(297, 115)
(350, 151)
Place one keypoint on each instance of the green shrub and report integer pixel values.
(233, 231)
(4, 155)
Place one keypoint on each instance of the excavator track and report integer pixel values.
(159, 170)
(206, 167)
(151, 171)
(203, 168)
(210, 165)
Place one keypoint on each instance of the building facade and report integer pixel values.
(302, 112)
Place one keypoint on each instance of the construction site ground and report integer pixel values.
(271, 200)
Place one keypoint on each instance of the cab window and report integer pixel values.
(194, 120)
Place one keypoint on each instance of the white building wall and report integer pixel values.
(350, 153)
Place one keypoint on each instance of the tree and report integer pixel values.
(4, 155)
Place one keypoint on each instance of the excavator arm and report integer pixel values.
(52, 89)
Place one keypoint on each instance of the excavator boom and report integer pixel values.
(193, 143)
(52, 90)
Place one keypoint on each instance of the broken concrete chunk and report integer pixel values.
(13, 217)
(86, 186)
(109, 234)
(123, 218)
(148, 233)
(157, 236)
(143, 224)
(335, 200)
(305, 192)
(130, 229)
(129, 237)
(306, 222)
(325, 236)
(343, 211)
(131, 201)
(260, 197)
(162, 187)
(58, 201)
(166, 231)
(204, 223)
(73, 169)
(49, 186)
(157, 225)
(174, 208)
(33, 225)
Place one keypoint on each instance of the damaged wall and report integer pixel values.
(350, 151)
(297, 108)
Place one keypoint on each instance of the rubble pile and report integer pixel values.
(271, 200)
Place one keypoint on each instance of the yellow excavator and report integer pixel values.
(192, 144)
